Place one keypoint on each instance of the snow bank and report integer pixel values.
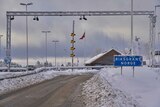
(97, 93)
(111, 89)
(144, 87)
(17, 83)
(4, 75)
(8, 85)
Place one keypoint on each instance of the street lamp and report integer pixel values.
(131, 27)
(46, 32)
(36, 18)
(158, 48)
(65, 51)
(55, 41)
(26, 4)
(0, 45)
(84, 18)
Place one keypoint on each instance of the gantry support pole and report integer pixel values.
(8, 41)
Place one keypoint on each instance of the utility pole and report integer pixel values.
(131, 27)
(46, 32)
(158, 48)
(26, 4)
(65, 51)
(55, 41)
(0, 45)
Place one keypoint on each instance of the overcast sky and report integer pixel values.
(102, 33)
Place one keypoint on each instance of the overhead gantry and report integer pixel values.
(11, 14)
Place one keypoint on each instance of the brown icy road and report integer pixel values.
(62, 91)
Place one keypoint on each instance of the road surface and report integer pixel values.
(62, 91)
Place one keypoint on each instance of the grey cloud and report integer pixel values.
(89, 46)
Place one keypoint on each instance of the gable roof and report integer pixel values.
(100, 55)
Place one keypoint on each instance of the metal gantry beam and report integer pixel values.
(77, 13)
(10, 16)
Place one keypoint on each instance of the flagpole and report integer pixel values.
(84, 47)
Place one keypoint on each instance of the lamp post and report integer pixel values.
(46, 32)
(131, 27)
(158, 48)
(26, 4)
(0, 45)
(65, 51)
(55, 41)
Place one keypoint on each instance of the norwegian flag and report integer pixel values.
(83, 36)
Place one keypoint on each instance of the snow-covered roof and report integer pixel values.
(115, 50)
(98, 56)
(95, 58)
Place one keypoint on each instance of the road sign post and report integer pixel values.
(133, 71)
(121, 70)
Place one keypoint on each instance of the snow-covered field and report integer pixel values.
(8, 85)
(111, 89)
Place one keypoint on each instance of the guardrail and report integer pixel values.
(43, 69)
(77, 67)
(12, 69)
(38, 70)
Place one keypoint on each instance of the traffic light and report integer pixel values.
(72, 34)
(72, 48)
(72, 41)
(72, 55)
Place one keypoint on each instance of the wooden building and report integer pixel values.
(105, 58)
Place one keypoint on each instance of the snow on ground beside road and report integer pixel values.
(15, 74)
(97, 93)
(8, 85)
(111, 89)
(16, 83)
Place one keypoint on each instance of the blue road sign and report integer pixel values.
(128, 60)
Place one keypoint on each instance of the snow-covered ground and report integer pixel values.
(8, 85)
(108, 88)
(111, 89)
(4, 75)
